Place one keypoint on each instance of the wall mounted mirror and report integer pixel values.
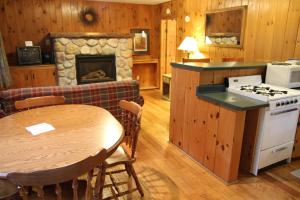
(226, 27)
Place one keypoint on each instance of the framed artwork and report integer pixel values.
(141, 41)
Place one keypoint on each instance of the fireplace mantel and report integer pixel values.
(88, 35)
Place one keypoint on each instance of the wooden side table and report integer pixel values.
(147, 72)
(166, 86)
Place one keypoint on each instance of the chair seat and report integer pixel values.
(118, 156)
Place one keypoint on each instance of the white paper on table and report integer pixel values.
(40, 128)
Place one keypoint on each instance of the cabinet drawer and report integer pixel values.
(275, 154)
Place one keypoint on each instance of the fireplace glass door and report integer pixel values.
(95, 68)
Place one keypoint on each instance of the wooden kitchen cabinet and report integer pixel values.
(20, 77)
(210, 139)
(209, 133)
(183, 107)
(222, 141)
(33, 76)
(229, 143)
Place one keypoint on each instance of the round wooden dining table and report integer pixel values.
(80, 131)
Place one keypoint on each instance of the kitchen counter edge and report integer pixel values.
(218, 65)
(229, 100)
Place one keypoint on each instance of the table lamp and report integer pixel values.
(189, 44)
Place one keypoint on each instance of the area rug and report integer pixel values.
(155, 185)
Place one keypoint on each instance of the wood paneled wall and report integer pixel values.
(272, 27)
(168, 5)
(224, 22)
(22, 20)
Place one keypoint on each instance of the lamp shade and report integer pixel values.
(188, 44)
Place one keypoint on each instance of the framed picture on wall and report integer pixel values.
(141, 41)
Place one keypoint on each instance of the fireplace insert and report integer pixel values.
(95, 68)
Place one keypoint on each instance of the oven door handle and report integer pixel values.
(284, 111)
(280, 149)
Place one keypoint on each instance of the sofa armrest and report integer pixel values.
(2, 113)
(141, 100)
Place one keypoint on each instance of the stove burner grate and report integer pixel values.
(262, 90)
(266, 93)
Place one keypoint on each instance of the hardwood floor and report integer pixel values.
(167, 173)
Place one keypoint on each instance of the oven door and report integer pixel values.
(278, 126)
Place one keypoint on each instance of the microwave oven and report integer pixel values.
(283, 74)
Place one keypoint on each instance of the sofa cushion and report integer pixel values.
(106, 95)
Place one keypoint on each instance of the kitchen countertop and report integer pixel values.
(198, 66)
(218, 94)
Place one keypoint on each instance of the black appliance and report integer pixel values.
(29, 55)
(48, 58)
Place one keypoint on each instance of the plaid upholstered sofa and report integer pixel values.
(106, 95)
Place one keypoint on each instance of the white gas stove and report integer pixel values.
(252, 86)
(277, 123)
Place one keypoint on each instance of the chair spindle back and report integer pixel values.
(131, 121)
(39, 179)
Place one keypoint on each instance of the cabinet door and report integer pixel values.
(192, 130)
(43, 76)
(171, 45)
(213, 114)
(168, 45)
(229, 144)
(178, 82)
(20, 77)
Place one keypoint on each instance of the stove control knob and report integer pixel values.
(287, 102)
(277, 104)
(291, 101)
(282, 103)
(296, 101)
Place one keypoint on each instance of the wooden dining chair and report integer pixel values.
(204, 60)
(37, 180)
(125, 154)
(35, 102)
(232, 59)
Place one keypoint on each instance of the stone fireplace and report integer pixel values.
(69, 46)
(95, 68)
